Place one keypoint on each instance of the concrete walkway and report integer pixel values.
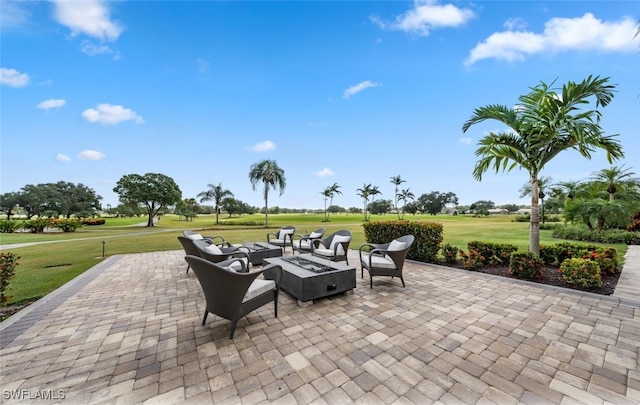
(129, 331)
(629, 282)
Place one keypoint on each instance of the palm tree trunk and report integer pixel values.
(266, 205)
(534, 225)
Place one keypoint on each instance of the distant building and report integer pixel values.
(498, 211)
(524, 211)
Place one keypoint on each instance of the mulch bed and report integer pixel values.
(551, 276)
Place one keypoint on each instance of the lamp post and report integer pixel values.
(104, 242)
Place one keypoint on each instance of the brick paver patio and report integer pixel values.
(128, 331)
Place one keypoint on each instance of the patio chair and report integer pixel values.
(385, 259)
(215, 254)
(232, 295)
(282, 237)
(302, 243)
(334, 247)
(189, 234)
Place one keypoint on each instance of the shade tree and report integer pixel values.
(153, 191)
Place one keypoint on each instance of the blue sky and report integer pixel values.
(346, 92)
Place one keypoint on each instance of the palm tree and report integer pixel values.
(543, 184)
(403, 196)
(268, 172)
(545, 123)
(616, 179)
(215, 194)
(397, 181)
(365, 193)
(328, 193)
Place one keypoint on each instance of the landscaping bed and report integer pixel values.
(551, 276)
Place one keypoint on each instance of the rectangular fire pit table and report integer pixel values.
(307, 277)
(258, 251)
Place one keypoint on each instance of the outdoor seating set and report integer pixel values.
(232, 288)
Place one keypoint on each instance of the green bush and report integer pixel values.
(242, 223)
(37, 225)
(607, 259)
(93, 221)
(493, 253)
(8, 226)
(8, 263)
(582, 233)
(68, 225)
(549, 254)
(581, 272)
(526, 265)
(449, 253)
(472, 260)
(428, 236)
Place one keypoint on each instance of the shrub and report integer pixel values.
(526, 265)
(93, 221)
(37, 225)
(607, 259)
(581, 272)
(472, 260)
(68, 225)
(8, 263)
(242, 223)
(493, 253)
(576, 232)
(449, 253)
(634, 226)
(8, 226)
(549, 254)
(428, 236)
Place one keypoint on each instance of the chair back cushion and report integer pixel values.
(396, 245)
(338, 239)
(193, 236)
(259, 287)
(213, 249)
(285, 232)
(315, 235)
(237, 265)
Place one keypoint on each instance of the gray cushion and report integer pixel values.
(213, 249)
(193, 236)
(324, 252)
(315, 235)
(237, 265)
(337, 239)
(259, 287)
(383, 262)
(396, 245)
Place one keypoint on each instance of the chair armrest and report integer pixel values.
(269, 234)
(229, 262)
(275, 267)
(213, 238)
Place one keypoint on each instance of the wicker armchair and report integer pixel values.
(216, 254)
(333, 247)
(233, 295)
(304, 243)
(385, 259)
(281, 238)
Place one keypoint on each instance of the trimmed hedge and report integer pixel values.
(428, 236)
(577, 232)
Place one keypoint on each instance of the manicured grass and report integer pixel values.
(45, 267)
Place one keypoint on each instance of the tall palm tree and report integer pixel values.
(403, 196)
(616, 179)
(365, 193)
(545, 123)
(272, 176)
(397, 181)
(216, 194)
(328, 193)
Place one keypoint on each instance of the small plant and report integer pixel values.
(450, 253)
(581, 272)
(548, 254)
(473, 260)
(607, 259)
(8, 263)
(37, 225)
(526, 265)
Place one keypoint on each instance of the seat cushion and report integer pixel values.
(193, 236)
(338, 239)
(278, 242)
(302, 244)
(324, 252)
(396, 245)
(259, 287)
(213, 249)
(382, 262)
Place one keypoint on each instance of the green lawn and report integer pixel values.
(45, 267)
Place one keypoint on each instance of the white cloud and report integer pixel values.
(52, 103)
(326, 172)
(61, 157)
(90, 154)
(427, 15)
(92, 50)
(111, 114)
(584, 33)
(515, 24)
(466, 141)
(13, 78)
(353, 90)
(263, 146)
(88, 17)
(14, 14)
